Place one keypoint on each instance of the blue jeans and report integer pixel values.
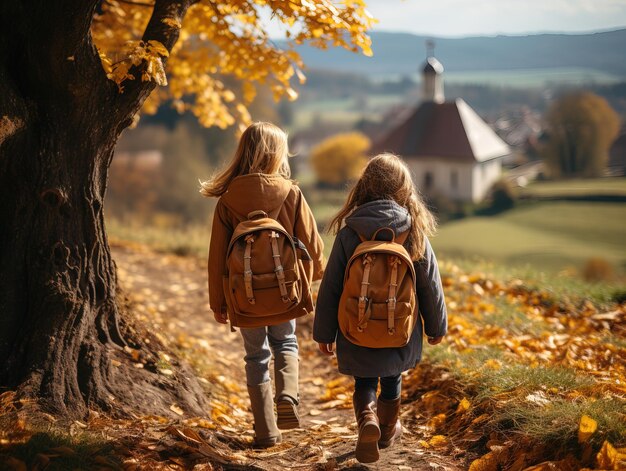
(261, 342)
(390, 386)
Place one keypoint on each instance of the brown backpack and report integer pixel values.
(378, 305)
(263, 283)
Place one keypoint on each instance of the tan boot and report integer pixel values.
(286, 377)
(390, 427)
(266, 434)
(367, 421)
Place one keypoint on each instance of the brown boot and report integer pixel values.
(367, 421)
(390, 427)
(266, 433)
(286, 377)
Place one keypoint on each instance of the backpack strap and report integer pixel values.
(393, 233)
(364, 302)
(391, 301)
(247, 269)
(401, 238)
(257, 214)
(280, 273)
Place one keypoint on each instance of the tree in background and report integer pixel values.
(167, 191)
(340, 158)
(73, 75)
(581, 127)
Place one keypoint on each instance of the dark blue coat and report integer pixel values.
(433, 321)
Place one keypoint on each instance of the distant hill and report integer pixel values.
(401, 53)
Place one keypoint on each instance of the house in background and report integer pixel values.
(450, 150)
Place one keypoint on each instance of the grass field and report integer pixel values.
(580, 187)
(549, 236)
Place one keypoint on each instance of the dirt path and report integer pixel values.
(168, 293)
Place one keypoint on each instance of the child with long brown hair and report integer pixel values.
(384, 196)
(258, 179)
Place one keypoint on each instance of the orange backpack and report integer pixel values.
(263, 283)
(378, 305)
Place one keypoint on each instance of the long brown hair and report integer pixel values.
(386, 177)
(262, 149)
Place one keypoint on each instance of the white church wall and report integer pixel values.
(451, 179)
(484, 175)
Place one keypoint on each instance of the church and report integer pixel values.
(450, 150)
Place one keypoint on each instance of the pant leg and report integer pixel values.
(258, 355)
(390, 387)
(282, 338)
(366, 384)
(284, 346)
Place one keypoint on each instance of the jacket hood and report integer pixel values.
(256, 191)
(369, 217)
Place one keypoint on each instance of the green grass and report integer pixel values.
(562, 286)
(512, 319)
(536, 398)
(578, 187)
(512, 377)
(190, 239)
(549, 236)
(557, 421)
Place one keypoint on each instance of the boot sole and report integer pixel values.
(262, 443)
(287, 416)
(367, 443)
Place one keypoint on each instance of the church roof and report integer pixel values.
(451, 130)
(432, 65)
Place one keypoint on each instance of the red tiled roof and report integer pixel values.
(449, 130)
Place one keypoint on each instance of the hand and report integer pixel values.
(435, 340)
(327, 348)
(221, 317)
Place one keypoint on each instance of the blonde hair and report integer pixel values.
(386, 177)
(262, 149)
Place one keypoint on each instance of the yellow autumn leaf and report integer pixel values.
(423, 443)
(171, 22)
(609, 458)
(301, 76)
(488, 462)
(438, 441)
(586, 428)
(437, 421)
(463, 406)
(157, 47)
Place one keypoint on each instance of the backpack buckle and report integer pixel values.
(392, 302)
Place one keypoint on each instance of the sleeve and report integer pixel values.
(221, 232)
(430, 296)
(305, 229)
(325, 324)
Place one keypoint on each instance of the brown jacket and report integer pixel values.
(280, 198)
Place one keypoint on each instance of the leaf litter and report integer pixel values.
(445, 426)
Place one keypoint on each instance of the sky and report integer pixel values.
(453, 18)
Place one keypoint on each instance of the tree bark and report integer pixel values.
(59, 318)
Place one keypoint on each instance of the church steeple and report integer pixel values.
(432, 81)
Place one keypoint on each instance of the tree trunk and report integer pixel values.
(60, 118)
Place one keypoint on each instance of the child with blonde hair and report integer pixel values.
(383, 197)
(256, 186)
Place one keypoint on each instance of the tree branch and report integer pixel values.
(160, 28)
